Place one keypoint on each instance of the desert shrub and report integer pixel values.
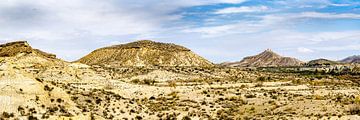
(273, 97)
(261, 78)
(174, 94)
(259, 84)
(357, 100)
(7, 115)
(149, 82)
(186, 118)
(47, 88)
(243, 86)
(138, 118)
(73, 98)
(296, 81)
(252, 108)
(250, 96)
(59, 100)
(32, 118)
(136, 81)
(205, 92)
(98, 101)
(40, 80)
(354, 110)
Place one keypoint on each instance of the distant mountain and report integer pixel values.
(144, 53)
(351, 59)
(321, 62)
(268, 58)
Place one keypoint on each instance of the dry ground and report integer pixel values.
(178, 93)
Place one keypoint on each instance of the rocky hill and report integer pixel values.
(144, 53)
(268, 58)
(351, 59)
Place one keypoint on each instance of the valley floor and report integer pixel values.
(183, 93)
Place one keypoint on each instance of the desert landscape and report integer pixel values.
(145, 80)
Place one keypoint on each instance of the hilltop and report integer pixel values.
(268, 58)
(144, 53)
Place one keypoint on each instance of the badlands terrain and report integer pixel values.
(150, 80)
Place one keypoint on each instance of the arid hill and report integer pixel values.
(268, 58)
(144, 53)
(351, 59)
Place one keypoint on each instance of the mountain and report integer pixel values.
(144, 53)
(268, 58)
(321, 62)
(351, 59)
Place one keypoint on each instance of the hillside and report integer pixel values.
(268, 58)
(28, 83)
(144, 53)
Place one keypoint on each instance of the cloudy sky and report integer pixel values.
(219, 30)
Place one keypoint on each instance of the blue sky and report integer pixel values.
(219, 30)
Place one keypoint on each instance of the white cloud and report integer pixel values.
(335, 36)
(327, 15)
(242, 9)
(231, 1)
(223, 30)
(340, 48)
(304, 50)
(272, 22)
(341, 5)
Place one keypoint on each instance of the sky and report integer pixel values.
(218, 30)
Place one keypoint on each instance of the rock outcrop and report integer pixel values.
(14, 48)
(144, 53)
(268, 58)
